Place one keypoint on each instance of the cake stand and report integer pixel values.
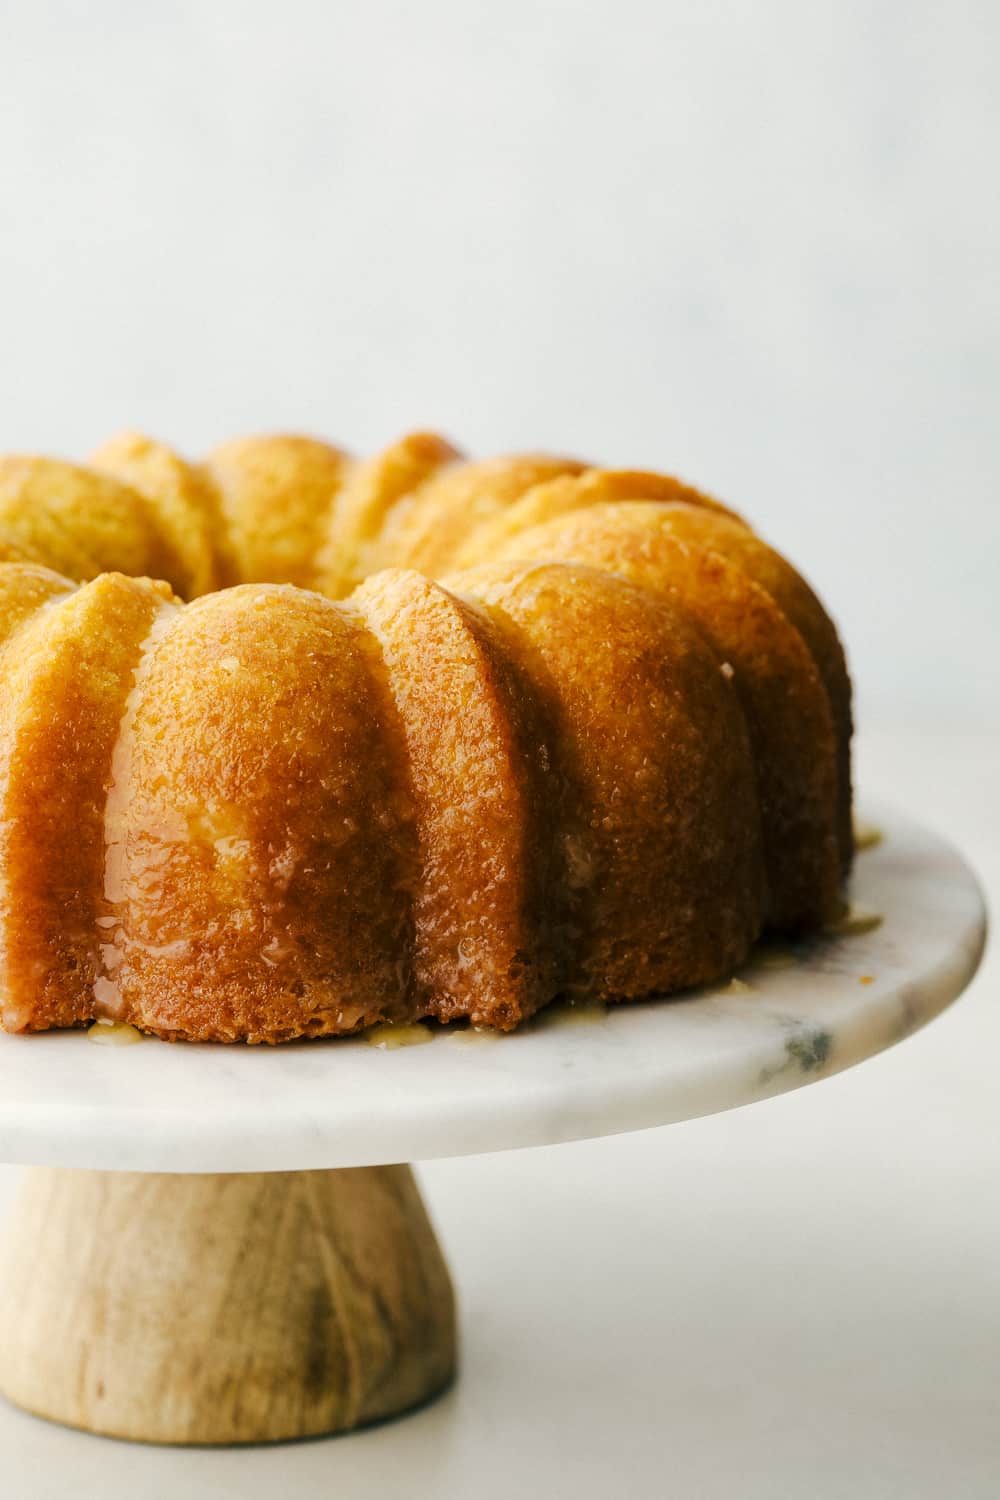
(245, 1260)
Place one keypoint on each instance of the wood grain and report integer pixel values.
(222, 1309)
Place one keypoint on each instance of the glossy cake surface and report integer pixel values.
(293, 743)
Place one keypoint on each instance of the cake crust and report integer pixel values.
(293, 743)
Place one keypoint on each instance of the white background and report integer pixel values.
(755, 242)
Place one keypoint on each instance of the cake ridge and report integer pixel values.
(187, 503)
(112, 941)
(640, 652)
(368, 504)
(59, 707)
(784, 700)
(466, 760)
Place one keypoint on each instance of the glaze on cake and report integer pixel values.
(406, 737)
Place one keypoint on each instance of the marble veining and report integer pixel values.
(830, 1002)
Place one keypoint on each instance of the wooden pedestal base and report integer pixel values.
(222, 1309)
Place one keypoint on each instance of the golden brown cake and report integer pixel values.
(291, 743)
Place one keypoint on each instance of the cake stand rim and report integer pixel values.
(189, 1108)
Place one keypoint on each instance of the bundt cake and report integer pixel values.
(291, 744)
